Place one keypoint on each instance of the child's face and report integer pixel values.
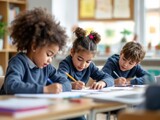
(125, 64)
(42, 56)
(81, 60)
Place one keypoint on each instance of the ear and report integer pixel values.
(121, 53)
(33, 47)
(137, 63)
(72, 52)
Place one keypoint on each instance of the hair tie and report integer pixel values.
(91, 37)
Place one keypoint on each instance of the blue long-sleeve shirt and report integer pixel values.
(23, 76)
(137, 73)
(92, 71)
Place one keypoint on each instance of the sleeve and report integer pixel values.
(64, 68)
(98, 75)
(141, 76)
(108, 67)
(15, 81)
(59, 78)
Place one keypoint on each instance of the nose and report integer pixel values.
(49, 60)
(83, 64)
(125, 64)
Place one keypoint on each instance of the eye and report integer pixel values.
(50, 54)
(131, 63)
(124, 59)
(88, 61)
(79, 59)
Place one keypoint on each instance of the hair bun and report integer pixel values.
(80, 32)
(95, 37)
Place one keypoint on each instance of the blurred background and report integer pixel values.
(117, 21)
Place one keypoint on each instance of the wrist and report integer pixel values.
(45, 89)
(102, 83)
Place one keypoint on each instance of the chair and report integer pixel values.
(1, 81)
(132, 114)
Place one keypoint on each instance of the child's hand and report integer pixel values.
(128, 80)
(120, 81)
(98, 85)
(78, 85)
(53, 88)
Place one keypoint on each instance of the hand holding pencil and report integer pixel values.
(77, 84)
(119, 80)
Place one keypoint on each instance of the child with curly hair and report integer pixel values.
(79, 63)
(38, 38)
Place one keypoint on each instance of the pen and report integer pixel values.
(116, 74)
(71, 77)
(50, 81)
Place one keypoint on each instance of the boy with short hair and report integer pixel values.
(125, 68)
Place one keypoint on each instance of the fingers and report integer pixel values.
(56, 91)
(81, 83)
(55, 88)
(120, 81)
(78, 85)
(96, 86)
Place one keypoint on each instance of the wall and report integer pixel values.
(65, 11)
(40, 3)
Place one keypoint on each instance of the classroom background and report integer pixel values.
(117, 21)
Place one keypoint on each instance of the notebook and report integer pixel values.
(23, 107)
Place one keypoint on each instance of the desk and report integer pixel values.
(62, 110)
(111, 106)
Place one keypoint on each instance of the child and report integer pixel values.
(79, 63)
(125, 68)
(38, 37)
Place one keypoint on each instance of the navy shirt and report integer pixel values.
(137, 73)
(92, 71)
(23, 76)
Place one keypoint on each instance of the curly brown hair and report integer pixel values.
(133, 51)
(83, 42)
(39, 27)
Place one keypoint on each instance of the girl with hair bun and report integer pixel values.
(79, 63)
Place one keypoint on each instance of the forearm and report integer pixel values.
(15, 88)
(67, 86)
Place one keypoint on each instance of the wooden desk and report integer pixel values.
(62, 110)
(134, 114)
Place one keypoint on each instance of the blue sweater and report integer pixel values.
(92, 71)
(137, 73)
(23, 76)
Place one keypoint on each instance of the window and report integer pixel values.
(152, 22)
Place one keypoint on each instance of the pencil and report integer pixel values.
(116, 74)
(71, 77)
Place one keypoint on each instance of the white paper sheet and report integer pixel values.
(120, 96)
(60, 95)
